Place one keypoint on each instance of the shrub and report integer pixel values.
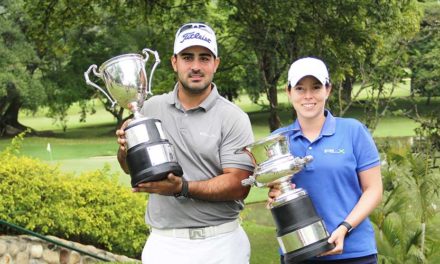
(92, 208)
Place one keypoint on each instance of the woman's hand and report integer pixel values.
(337, 237)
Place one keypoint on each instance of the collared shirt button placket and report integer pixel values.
(309, 151)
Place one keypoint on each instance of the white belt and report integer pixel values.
(198, 233)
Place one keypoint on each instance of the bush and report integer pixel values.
(92, 208)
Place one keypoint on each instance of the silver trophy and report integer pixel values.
(150, 156)
(301, 233)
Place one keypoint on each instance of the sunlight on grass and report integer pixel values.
(78, 149)
(41, 122)
(78, 166)
(401, 90)
(395, 127)
(245, 103)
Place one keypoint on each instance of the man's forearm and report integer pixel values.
(225, 187)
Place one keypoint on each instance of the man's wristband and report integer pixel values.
(184, 193)
(347, 225)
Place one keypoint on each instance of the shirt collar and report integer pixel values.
(207, 104)
(327, 130)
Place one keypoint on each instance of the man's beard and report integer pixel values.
(195, 91)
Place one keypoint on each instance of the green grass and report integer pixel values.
(85, 141)
(257, 195)
(401, 90)
(92, 145)
(264, 246)
(260, 228)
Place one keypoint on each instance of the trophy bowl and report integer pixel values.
(273, 161)
(301, 233)
(126, 79)
(150, 155)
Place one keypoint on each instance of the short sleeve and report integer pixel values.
(364, 148)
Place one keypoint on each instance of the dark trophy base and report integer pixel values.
(155, 173)
(308, 252)
(295, 215)
(143, 169)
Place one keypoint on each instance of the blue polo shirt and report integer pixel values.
(342, 150)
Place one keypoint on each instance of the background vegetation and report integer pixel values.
(89, 208)
(383, 58)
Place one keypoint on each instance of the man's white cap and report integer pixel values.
(195, 34)
(307, 67)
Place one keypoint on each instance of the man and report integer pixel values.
(194, 218)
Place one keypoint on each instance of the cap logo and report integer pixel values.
(192, 35)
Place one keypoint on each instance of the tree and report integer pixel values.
(354, 38)
(361, 41)
(405, 230)
(425, 54)
(20, 85)
(267, 39)
(72, 35)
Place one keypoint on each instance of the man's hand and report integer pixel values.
(122, 142)
(169, 186)
(120, 133)
(274, 192)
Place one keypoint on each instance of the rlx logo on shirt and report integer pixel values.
(334, 151)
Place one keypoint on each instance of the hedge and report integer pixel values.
(92, 208)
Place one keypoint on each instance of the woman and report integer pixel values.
(344, 178)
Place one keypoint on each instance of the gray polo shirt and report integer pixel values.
(205, 140)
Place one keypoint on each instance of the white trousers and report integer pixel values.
(230, 248)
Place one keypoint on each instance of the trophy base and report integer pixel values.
(152, 160)
(156, 173)
(308, 252)
(301, 233)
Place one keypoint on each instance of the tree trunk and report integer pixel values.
(9, 108)
(274, 119)
(347, 88)
(428, 99)
(9, 125)
(423, 236)
(411, 86)
(270, 78)
(116, 112)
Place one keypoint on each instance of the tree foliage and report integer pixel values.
(20, 80)
(425, 54)
(406, 232)
(69, 36)
(359, 41)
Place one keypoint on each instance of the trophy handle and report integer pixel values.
(147, 56)
(249, 181)
(97, 74)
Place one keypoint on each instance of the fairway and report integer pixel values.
(92, 145)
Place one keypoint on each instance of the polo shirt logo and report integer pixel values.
(204, 134)
(334, 151)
